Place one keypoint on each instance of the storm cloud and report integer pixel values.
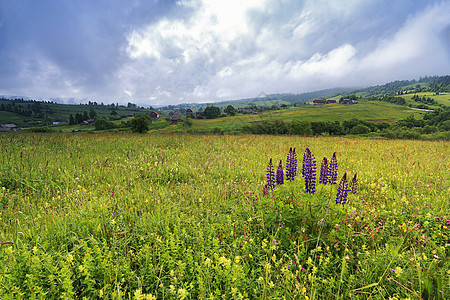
(166, 52)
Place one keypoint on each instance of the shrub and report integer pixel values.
(140, 124)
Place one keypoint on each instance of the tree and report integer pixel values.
(92, 114)
(78, 118)
(85, 116)
(230, 110)
(140, 124)
(212, 112)
(113, 113)
(71, 120)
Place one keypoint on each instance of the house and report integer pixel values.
(174, 118)
(8, 127)
(318, 102)
(154, 115)
(348, 101)
(88, 122)
(130, 115)
(189, 113)
(199, 115)
(331, 101)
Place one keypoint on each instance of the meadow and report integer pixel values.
(123, 216)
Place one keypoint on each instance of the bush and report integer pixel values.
(140, 124)
(300, 128)
(103, 124)
(360, 129)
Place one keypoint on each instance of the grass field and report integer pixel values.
(365, 110)
(117, 216)
(442, 98)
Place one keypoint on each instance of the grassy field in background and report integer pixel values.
(442, 98)
(364, 110)
(124, 216)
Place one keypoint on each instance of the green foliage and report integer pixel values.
(140, 124)
(230, 110)
(103, 124)
(360, 129)
(300, 128)
(212, 112)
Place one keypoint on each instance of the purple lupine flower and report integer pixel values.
(309, 171)
(354, 184)
(280, 175)
(323, 179)
(270, 175)
(288, 165)
(305, 159)
(332, 170)
(341, 197)
(293, 164)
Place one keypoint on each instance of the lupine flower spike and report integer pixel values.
(332, 170)
(270, 176)
(280, 175)
(341, 197)
(288, 165)
(305, 158)
(323, 179)
(309, 171)
(293, 164)
(354, 184)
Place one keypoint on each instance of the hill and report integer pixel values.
(381, 105)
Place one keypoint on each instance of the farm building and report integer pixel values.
(189, 113)
(154, 115)
(319, 102)
(348, 101)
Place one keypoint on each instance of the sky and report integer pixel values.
(159, 52)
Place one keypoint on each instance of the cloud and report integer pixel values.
(162, 52)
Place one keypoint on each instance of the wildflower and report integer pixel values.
(341, 197)
(182, 293)
(280, 175)
(270, 176)
(323, 179)
(309, 171)
(354, 184)
(447, 222)
(332, 170)
(291, 165)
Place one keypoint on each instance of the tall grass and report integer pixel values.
(179, 216)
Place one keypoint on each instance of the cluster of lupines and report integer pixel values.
(328, 174)
(309, 171)
(291, 165)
